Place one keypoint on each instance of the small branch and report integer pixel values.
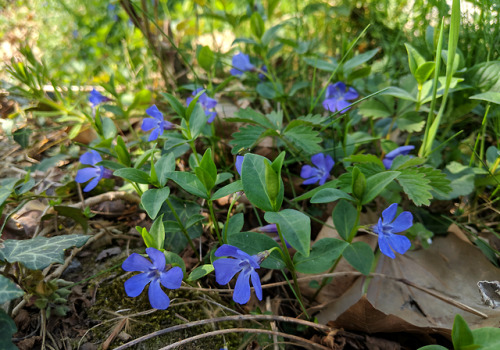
(225, 319)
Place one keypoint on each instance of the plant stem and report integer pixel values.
(214, 221)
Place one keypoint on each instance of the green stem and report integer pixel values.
(235, 198)
(183, 229)
(214, 221)
(193, 148)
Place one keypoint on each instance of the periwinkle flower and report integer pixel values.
(321, 172)
(239, 163)
(96, 98)
(157, 124)
(154, 272)
(400, 151)
(387, 228)
(263, 69)
(226, 268)
(206, 102)
(336, 97)
(270, 228)
(94, 172)
(241, 64)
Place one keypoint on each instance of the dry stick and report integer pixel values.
(245, 330)
(223, 319)
(435, 294)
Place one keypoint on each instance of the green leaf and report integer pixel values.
(366, 158)
(231, 188)
(164, 166)
(462, 180)
(461, 335)
(304, 138)
(424, 71)
(359, 59)
(122, 152)
(22, 136)
(268, 90)
(416, 186)
(157, 232)
(433, 347)
(235, 224)
(399, 93)
(489, 96)
(108, 128)
(410, 122)
(344, 218)
(194, 220)
(358, 183)
(111, 165)
(295, 227)
(132, 174)
(270, 34)
(189, 182)
(9, 290)
(199, 272)
(175, 104)
(403, 162)
(321, 64)
(415, 59)
(249, 115)
(360, 256)
(327, 195)
(209, 169)
(207, 181)
(253, 177)
(272, 184)
(246, 138)
(146, 237)
(311, 193)
(73, 213)
(175, 239)
(374, 109)
(257, 25)
(175, 260)
(39, 252)
(323, 254)
(253, 243)
(206, 58)
(488, 338)
(375, 184)
(7, 330)
(197, 121)
(153, 199)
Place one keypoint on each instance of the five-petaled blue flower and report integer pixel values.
(154, 272)
(96, 98)
(336, 97)
(400, 151)
(206, 102)
(241, 63)
(226, 268)
(321, 172)
(387, 228)
(95, 172)
(157, 123)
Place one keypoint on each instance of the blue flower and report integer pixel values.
(157, 123)
(226, 268)
(206, 102)
(387, 228)
(336, 97)
(400, 151)
(154, 272)
(241, 63)
(324, 164)
(239, 163)
(270, 228)
(263, 69)
(96, 98)
(95, 172)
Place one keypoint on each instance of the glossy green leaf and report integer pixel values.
(206, 58)
(375, 184)
(189, 182)
(153, 199)
(177, 106)
(231, 188)
(295, 227)
(328, 195)
(132, 174)
(323, 254)
(199, 272)
(344, 218)
(157, 232)
(9, 290)
(164, 166)
(461, 335)
(360, 256)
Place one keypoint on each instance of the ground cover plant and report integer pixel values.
(250, 175)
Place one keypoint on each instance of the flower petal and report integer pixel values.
(241, 293)
(319, 161)
(154, 134)
(149, 123)
(324, 178)
(157, 257)
(239, 163)
(211, 116)
(387, 163)
(208, 102)
(389, 213)
(329, 163)
(136, 262)
(384, 247)
(330, 105)
(235, 72)
(342, 105)
(311, 180)
(271, 228)
(400, 151)
(227, 250)
(85, 174)
(308, 171)
(172, 279)
(189, 100)
(92, 184)
(403, 222)
(225, 269)
(157, 297)
(154, 112)
(399, 243)
(256, 284)
(90, 158)
(351, 94)
(135, 284)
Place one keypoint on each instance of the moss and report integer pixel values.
(111, 298)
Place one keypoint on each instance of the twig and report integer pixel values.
(245, 330)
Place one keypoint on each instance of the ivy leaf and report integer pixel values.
(9, 290)
(246, 137)
(39, 252)
(416, 186)
(304, 138)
